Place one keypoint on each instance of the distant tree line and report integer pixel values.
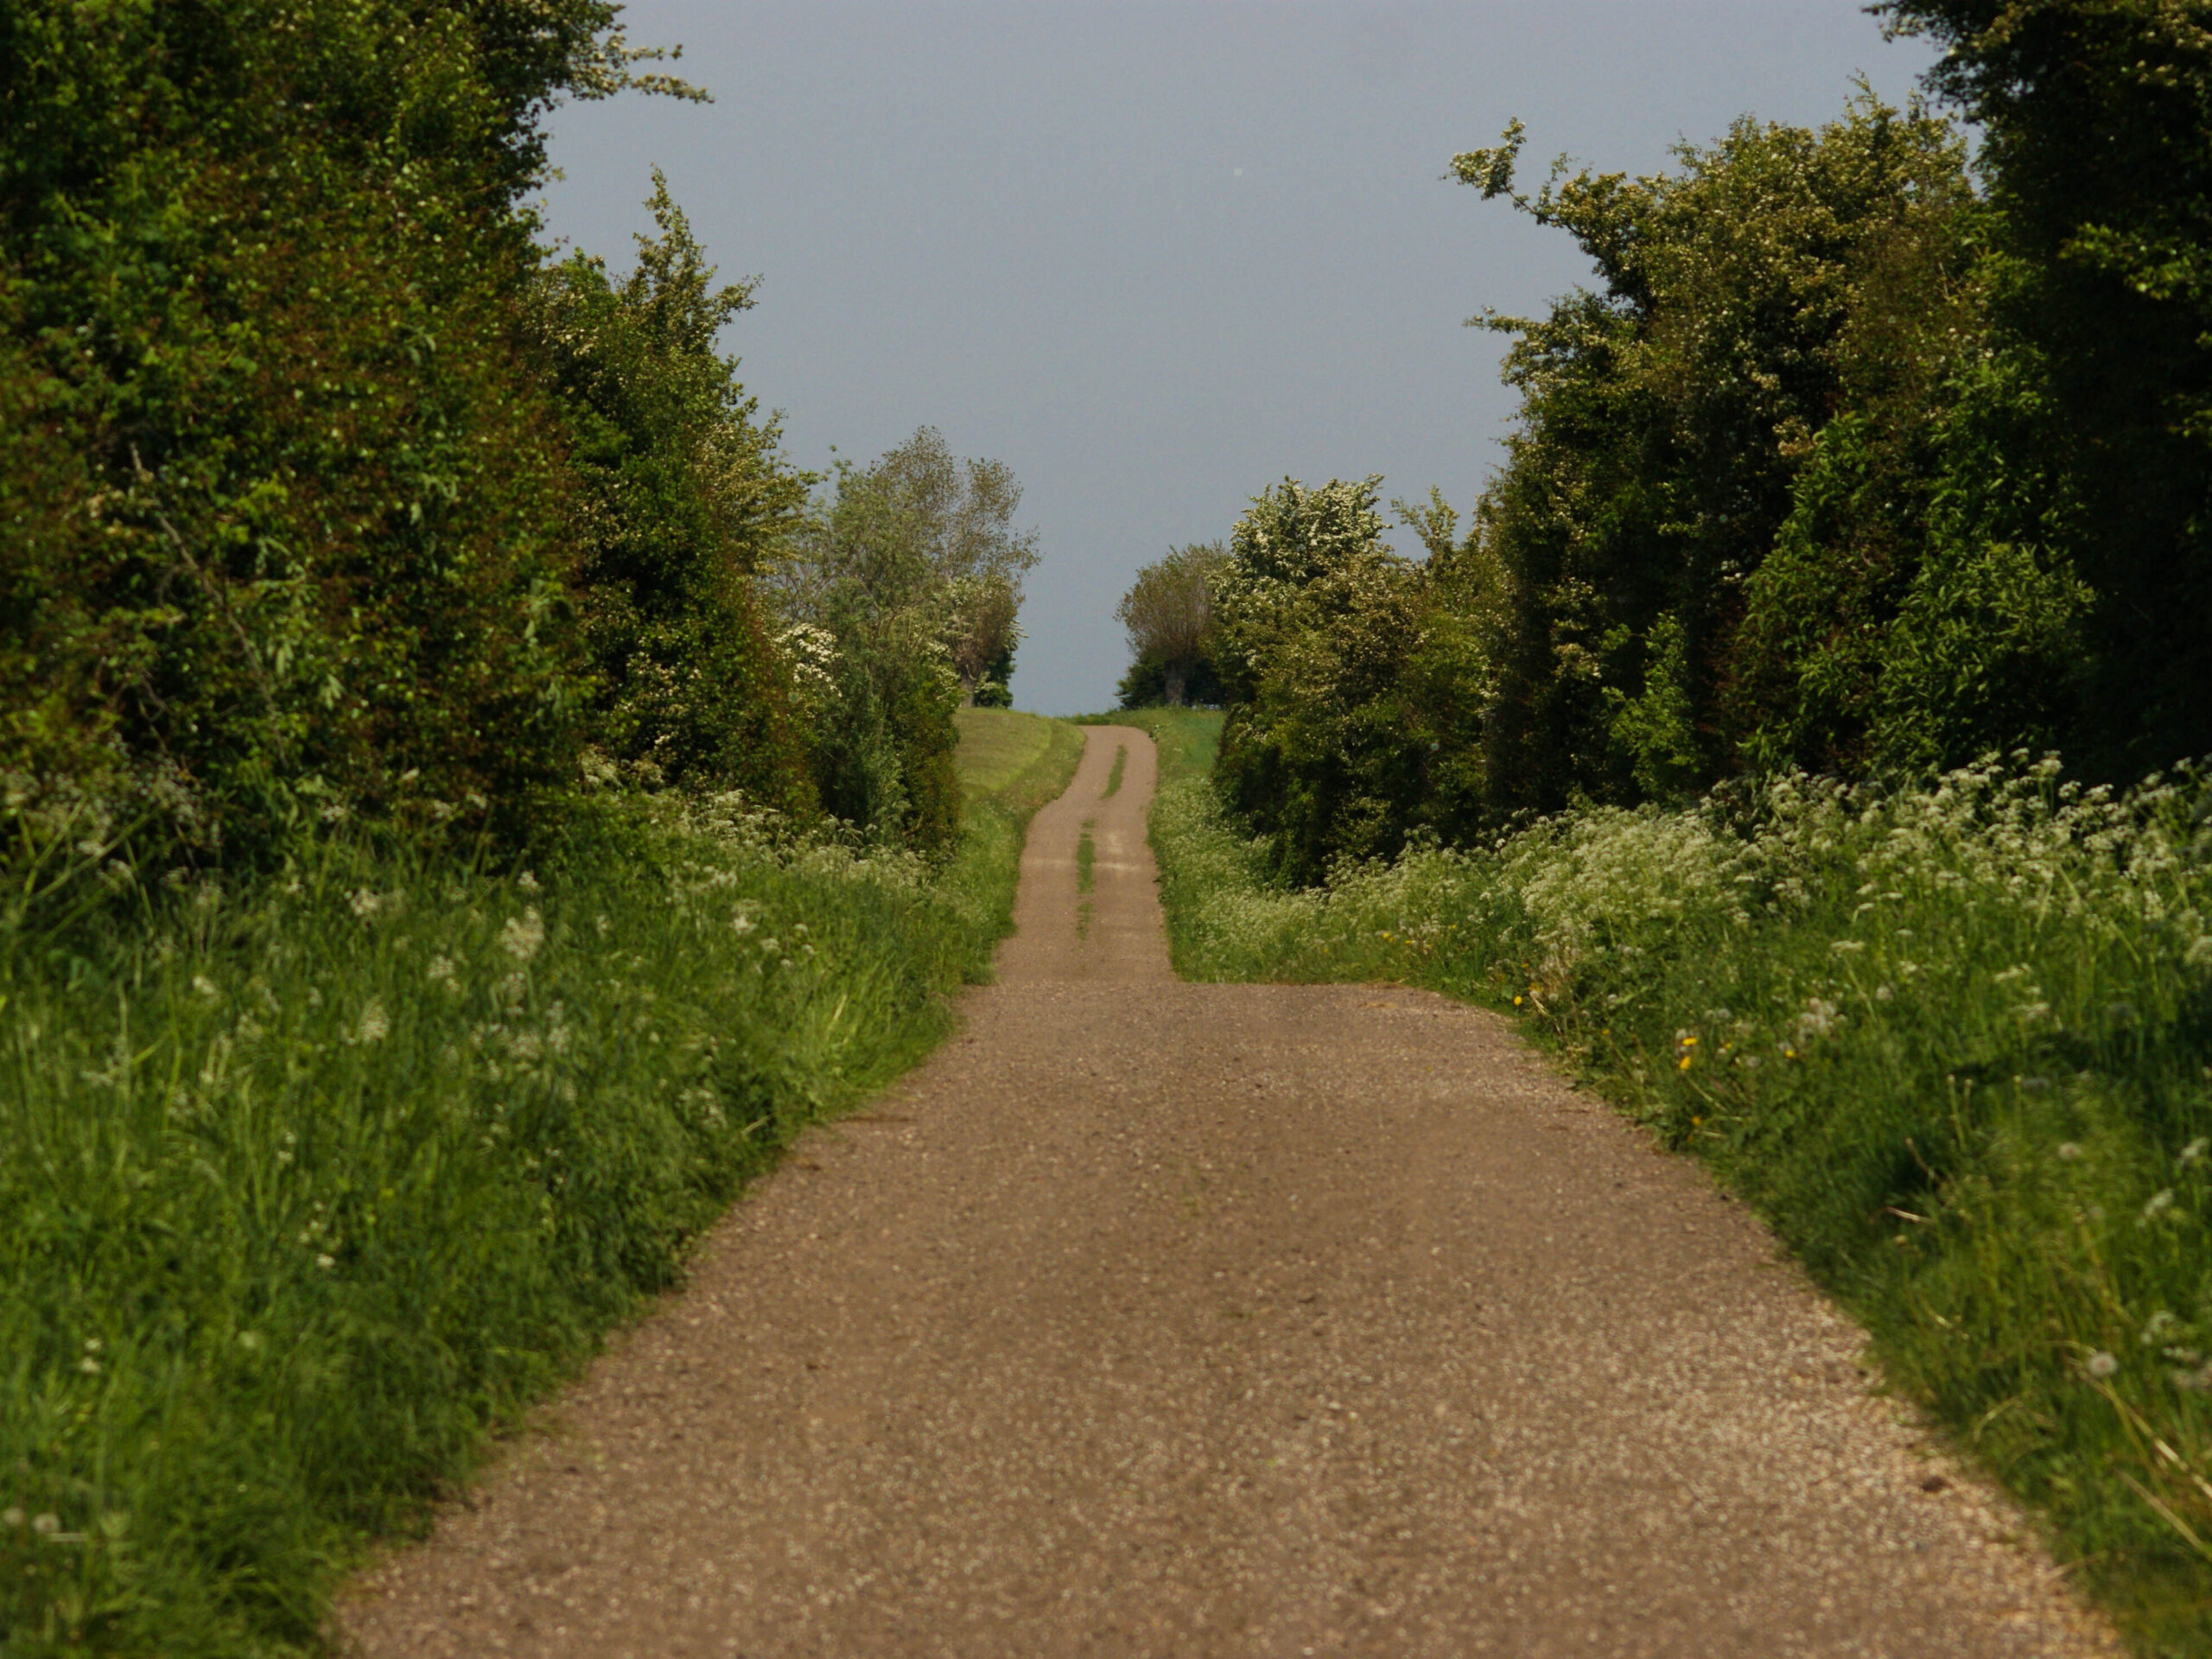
(1853, 459)
(325, 495)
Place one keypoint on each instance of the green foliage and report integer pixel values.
(281, 499)
(1353, 678)
(901, 592)
(1664, 423)
(1168, 612)
(2097, 124)
(1312, 614)
(1146, 685)
(684, 498)
(1656, 729)
(1952, 1040)
(315, 1183)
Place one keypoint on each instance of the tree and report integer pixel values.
(2097, 124)
(944, 527)
(283, 494)
(1315, 621)
(1168, 612)
(1665, 418)
(913, 568)
(684, 498)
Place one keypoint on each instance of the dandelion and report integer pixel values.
(2101, 1364)
(2069, 1151)
(11, 1516)
(1884, 992)
(46, 1525)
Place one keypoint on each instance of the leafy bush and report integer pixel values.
(684, 498)
(901, 595)
(2098, 153)
(282, 501)
(1168, 612)
(1666, 419)
(1354, 679)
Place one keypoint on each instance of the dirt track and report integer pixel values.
(1160, 1318)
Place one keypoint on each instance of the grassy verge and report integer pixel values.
(313, 1187)
(1955, 1043)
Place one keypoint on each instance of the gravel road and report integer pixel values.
(1158, 1319)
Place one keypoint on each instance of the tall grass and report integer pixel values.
(1954, 1043)
(311, 1187)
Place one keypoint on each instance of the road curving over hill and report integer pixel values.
(1158, 1319)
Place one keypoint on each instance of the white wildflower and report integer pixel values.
(522, 935)
(2101, 1364)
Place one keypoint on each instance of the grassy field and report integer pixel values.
(1953, 1043)
(314, 1185)
(998, 745)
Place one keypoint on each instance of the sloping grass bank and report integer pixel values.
(311, 1188)
(1955, 1045)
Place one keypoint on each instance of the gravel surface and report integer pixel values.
(1156, 1318)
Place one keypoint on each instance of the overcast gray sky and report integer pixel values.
(1156, 257)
